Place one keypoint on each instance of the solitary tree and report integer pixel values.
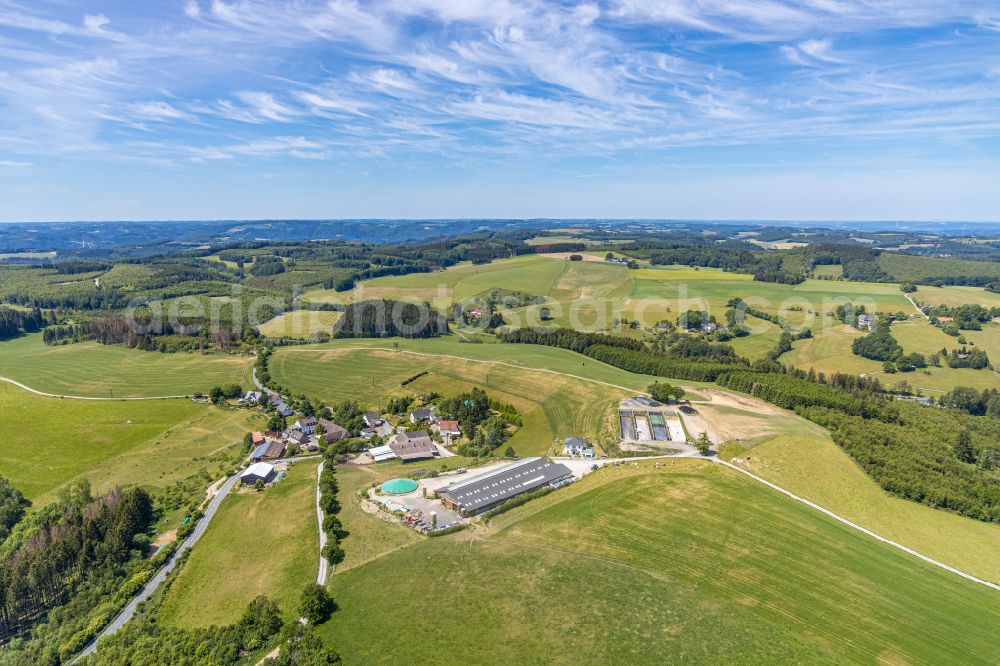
(316, 604)
(509, 452)
(963, 447)
(703, 443)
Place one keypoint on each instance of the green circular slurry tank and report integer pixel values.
(399, 486)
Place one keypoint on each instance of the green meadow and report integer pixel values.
(682, 562)
(257, 543)
(552, 406)
(93, 369)
(50, 442)
(302, 324)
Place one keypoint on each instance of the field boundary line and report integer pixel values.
(477, 360)
(855, 526)
(85, 397)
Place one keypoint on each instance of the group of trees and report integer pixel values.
(379, 318)
(966, 317)
(567, 338)
(665, 392)
(150, 642)
(15, 322)
(80, 542)
(484, 420)
(879, 345)
(328, 502)
(12, 506)
(219, 394)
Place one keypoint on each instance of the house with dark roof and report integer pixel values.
(415, 445)
(331, 431)
(296, 436)
(283, 409)
(372, 419)
(577, 446)
(491, 489)
(422, 414)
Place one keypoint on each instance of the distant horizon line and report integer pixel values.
(703, 220)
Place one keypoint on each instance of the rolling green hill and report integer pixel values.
(642, 564)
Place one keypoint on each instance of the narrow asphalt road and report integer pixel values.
(323, 565)
(84, 397)
(126, 614)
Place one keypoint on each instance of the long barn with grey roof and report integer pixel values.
(489, 490)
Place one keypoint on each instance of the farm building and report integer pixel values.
(260, 471)
(271, 450)
(415, 445)
(489, 490)
(380, 453)
(577, 446)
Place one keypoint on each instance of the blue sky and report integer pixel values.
(772, 109)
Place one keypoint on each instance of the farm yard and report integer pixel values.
(95, 370)
(779, 594)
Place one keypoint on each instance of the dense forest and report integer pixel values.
(15, 322)
(79, 543)
(379, 318)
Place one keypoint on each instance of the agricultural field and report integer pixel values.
(955, 296)
(49, 442)
(552, 406)
(829, 351)
(707, 566)
(835, 271)
(810, 465)
(910, 268)
(300, 324)
(257, 543)
(96, 370)
(533, 274)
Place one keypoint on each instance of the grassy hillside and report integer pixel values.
(815, 468)
(300, 324)
(552, 406)
(49, 442)
(257, 543)
(92, 369)
(706, 567)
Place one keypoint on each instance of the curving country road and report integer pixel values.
(126, 614)
(84, 397)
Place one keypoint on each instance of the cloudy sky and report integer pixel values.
(728, 109)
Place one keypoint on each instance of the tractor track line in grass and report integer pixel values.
(85, 397)
(477, 360)
(855, 526)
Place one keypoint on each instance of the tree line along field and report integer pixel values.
(96, 370)
(638, 563)
(262, 543)
(49, 442)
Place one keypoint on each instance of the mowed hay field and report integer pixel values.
(49, 442)
(533, 274)
(257, 543)
(96, 370)
(300, 324)
(812, 466)
(638, 564)
(552, 406)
